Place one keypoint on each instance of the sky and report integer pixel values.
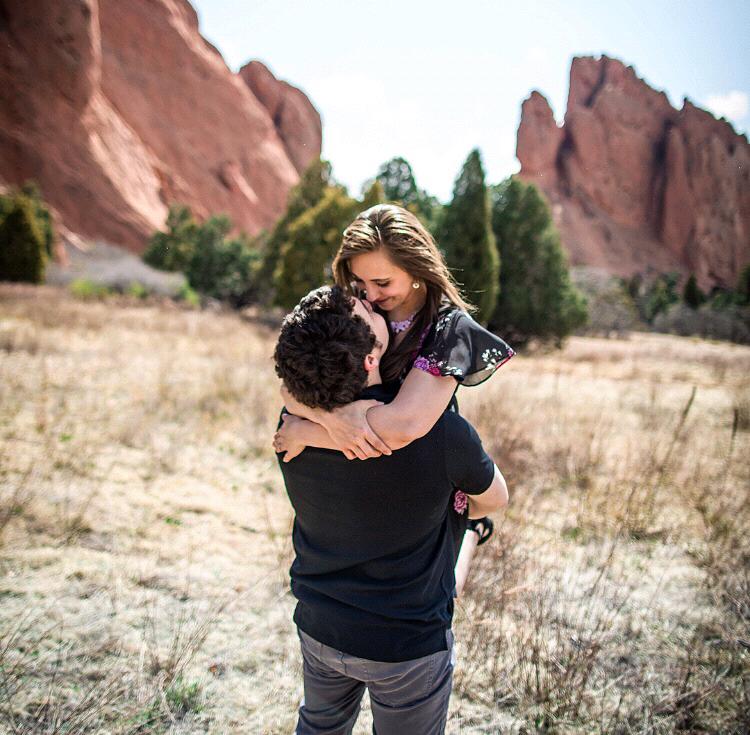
(430, 81)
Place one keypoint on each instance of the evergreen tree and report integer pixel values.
(692, 295)
(467, 240)
(23, 255)
(397, 180)
(400, 187)
(372, 196)
(536, 295)
(315, 181)
(313, 239)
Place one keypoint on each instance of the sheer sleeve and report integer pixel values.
(460, 347)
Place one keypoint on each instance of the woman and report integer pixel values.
(389, 258)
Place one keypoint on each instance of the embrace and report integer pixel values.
(384, 475)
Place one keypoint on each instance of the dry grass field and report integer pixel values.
(145, 533)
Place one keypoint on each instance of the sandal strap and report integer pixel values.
(483, 527)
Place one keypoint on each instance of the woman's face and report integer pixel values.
(386, 285)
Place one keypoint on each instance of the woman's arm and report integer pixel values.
(296, 433)
(415, 410)
(346, 426)
(370, 428)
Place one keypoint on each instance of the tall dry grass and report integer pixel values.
(144, 532)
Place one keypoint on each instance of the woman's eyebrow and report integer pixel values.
(357, 278)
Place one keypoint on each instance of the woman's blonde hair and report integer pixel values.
(411, 247)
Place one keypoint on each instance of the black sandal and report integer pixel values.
(483, 527)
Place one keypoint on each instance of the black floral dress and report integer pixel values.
(458, 346)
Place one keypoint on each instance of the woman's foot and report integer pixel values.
(483, 527)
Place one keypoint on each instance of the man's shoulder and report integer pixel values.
(458, 430)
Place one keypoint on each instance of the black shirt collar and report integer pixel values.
(380, 392)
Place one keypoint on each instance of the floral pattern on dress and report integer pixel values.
(461, 348)
(460, 502)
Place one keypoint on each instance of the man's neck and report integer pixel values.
(373, 378)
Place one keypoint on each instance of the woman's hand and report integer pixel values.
(348, 427)
(287, 438)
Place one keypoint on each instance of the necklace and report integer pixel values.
(403, 325)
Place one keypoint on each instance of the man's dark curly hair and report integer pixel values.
(321, 349)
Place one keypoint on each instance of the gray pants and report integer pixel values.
(406, 697)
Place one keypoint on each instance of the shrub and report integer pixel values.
(221, 268)
(188, 295)
(137, 290)
(83, 288)
(42, 214)
(23, 254)
(173, 250)
(691, 294)
(731, 323)
(214, 265)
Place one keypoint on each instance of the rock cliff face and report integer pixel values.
(297, 121)
(636, 184)
(118, 109)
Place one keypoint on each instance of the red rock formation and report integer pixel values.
(297, 121)
(635, 184)
(118, 109)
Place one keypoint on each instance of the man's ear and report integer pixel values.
(371, 362)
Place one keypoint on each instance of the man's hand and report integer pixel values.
(285, 439)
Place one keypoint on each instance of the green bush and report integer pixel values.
(23, 254)
(43, 216)
(83, 288)
(653, 294)
(213, 264)
(137, 290)
(221, 268)
(188, 295)
(691, 294)
(174, 249)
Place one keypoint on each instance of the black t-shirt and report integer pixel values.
(373, 572)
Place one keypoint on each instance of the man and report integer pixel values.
(373, 573)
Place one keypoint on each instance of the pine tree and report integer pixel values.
(372, 196)
(23, 255)
(313, 239)
(467, 240)
(400, 187)
(692, 295)
(536, 295)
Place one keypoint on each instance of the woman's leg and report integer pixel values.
(465, 556)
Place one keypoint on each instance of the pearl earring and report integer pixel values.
(415, 284)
